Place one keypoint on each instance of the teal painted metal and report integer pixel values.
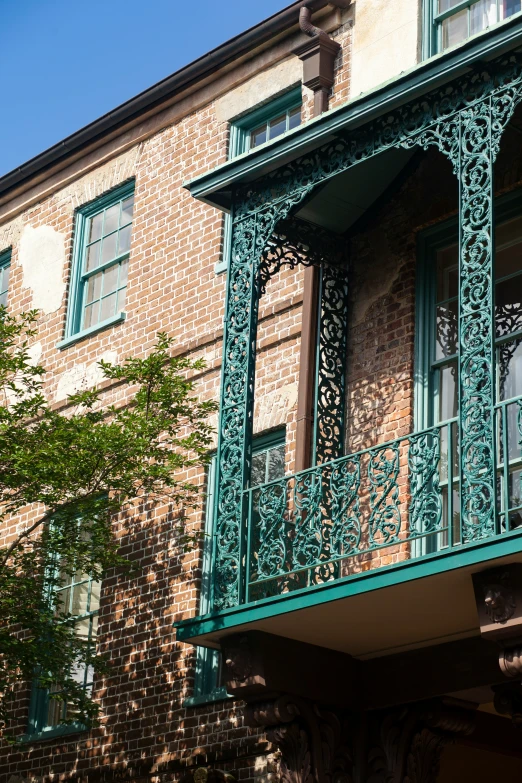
(330, 383)
(345, 513)
(465, 122)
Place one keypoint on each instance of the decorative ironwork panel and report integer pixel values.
(331, 365)
(341, 516)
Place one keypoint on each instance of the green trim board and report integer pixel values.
(5, 265)
(388, 576)
(102, 236)
(214, 187)
(208, 662)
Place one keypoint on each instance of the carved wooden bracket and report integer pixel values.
(314, 743)
(508, 701)
(498, 595)
(408, 743)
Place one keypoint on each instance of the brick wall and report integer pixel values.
(176, 242)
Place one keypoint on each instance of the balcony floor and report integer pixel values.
(420, 602)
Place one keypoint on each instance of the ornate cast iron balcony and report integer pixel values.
(377, 507)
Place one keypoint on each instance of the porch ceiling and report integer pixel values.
(345, 198)
(215, 187)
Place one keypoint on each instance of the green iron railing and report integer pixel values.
(376, 507)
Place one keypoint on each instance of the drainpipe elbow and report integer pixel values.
(305, 23)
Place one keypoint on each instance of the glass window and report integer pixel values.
(268, 463)
(442, 381)
(102, 258)
(255, 129)
(5, 264)
(456, 20)
(79, 597)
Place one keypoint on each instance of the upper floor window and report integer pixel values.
(101, 260)
(258, 127)
(456, 20)
(5, 264)
(266, 123)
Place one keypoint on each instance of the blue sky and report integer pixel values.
(63, 63)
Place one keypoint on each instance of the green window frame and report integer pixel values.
(208, 661)
(5, 266)
(436, 347)
(102, 242)
(448, 23)
(273, 120)
(78, 596)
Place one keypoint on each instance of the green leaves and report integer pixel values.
(78, 468)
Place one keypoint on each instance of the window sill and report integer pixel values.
(75, 338)
(52, 734)
(221, 267)
(220, 694)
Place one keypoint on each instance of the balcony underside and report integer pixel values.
(421, 602)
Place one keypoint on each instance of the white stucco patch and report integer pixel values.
(385, 41)
(82, 376)
(42, 258)
(259, 89)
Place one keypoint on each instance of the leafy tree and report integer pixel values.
(75, 469)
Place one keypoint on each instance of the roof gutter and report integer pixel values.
(160, 92)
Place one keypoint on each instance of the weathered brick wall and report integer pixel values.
(176, 242)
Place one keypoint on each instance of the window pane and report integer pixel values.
(258, 469)
(482, 15)
(95, 597)
(447, 330)
(3, 299)
(79, 598)
(445, 5)
(95, 231)
(108, 307)
(91, 315)
(258, 136)
(112, 216)
(294, 118)
(277, 126)
(455, 29)
(93, 256)
(94, 288)
(110, 279)
(448, 392)
(508, 8)
(124, 240)
(122, 296)
(109, 248)
(276, 463)
(5, 279)
(127, 209)
(510, 369)
(55, 712)
(124, 268)
(508, 306)
(447, 273)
